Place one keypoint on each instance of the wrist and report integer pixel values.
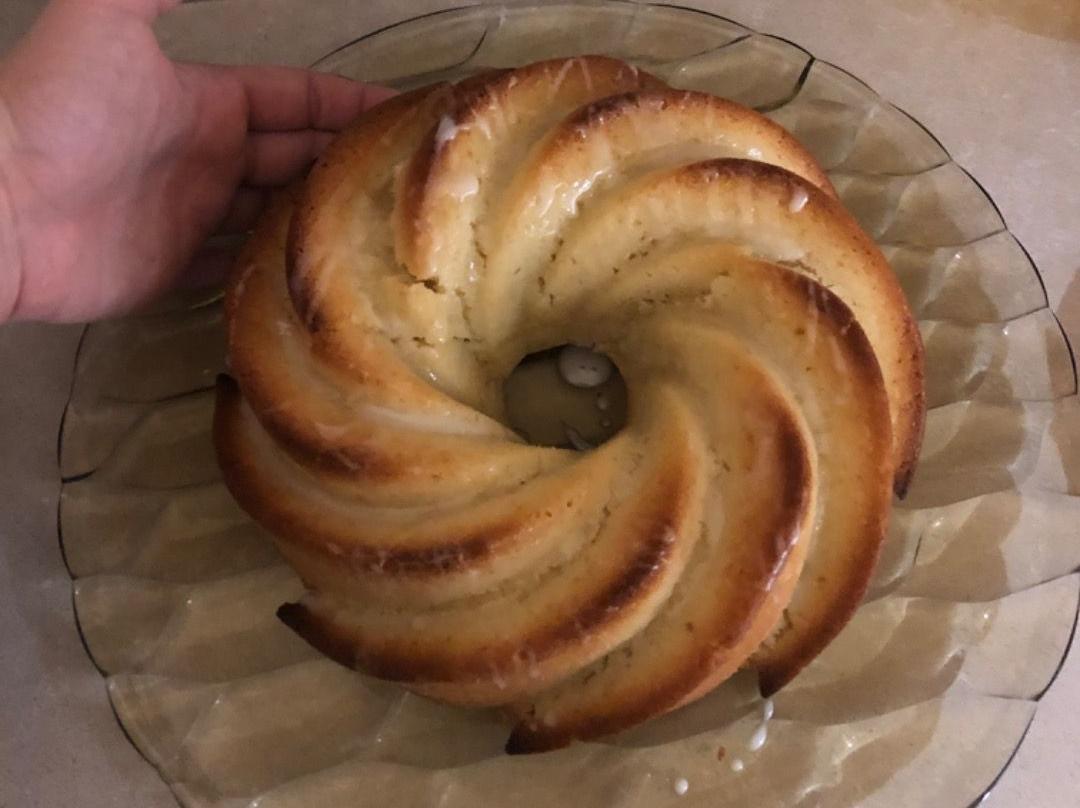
(11, 258)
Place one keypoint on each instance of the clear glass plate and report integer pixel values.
(922, 700)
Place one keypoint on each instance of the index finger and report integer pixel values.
(290, 98)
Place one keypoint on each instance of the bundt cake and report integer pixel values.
(774, 396)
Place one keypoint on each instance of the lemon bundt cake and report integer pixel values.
(773, 378)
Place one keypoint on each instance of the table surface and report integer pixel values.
(998, 81)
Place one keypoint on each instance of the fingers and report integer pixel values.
(288, 98)
(277, 158)
(291, 113)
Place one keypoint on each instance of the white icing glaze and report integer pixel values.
(560, 77)
(577, 441)
(584, 368)
(586, 74)
(757, 740)
(577, 189)
(761, 734)
(446, 131)
(798, 200)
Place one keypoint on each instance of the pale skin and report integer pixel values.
(117, 164)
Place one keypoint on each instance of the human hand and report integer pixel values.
(116, 163)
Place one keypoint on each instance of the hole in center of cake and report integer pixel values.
(568, 396)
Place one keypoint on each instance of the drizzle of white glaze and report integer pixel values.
(560, 77)
(581, 367)
(798, 200)
(576, 440)
(446, 131)
(767, 709)
(757, 740)
(577, 189)
(586, 74)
